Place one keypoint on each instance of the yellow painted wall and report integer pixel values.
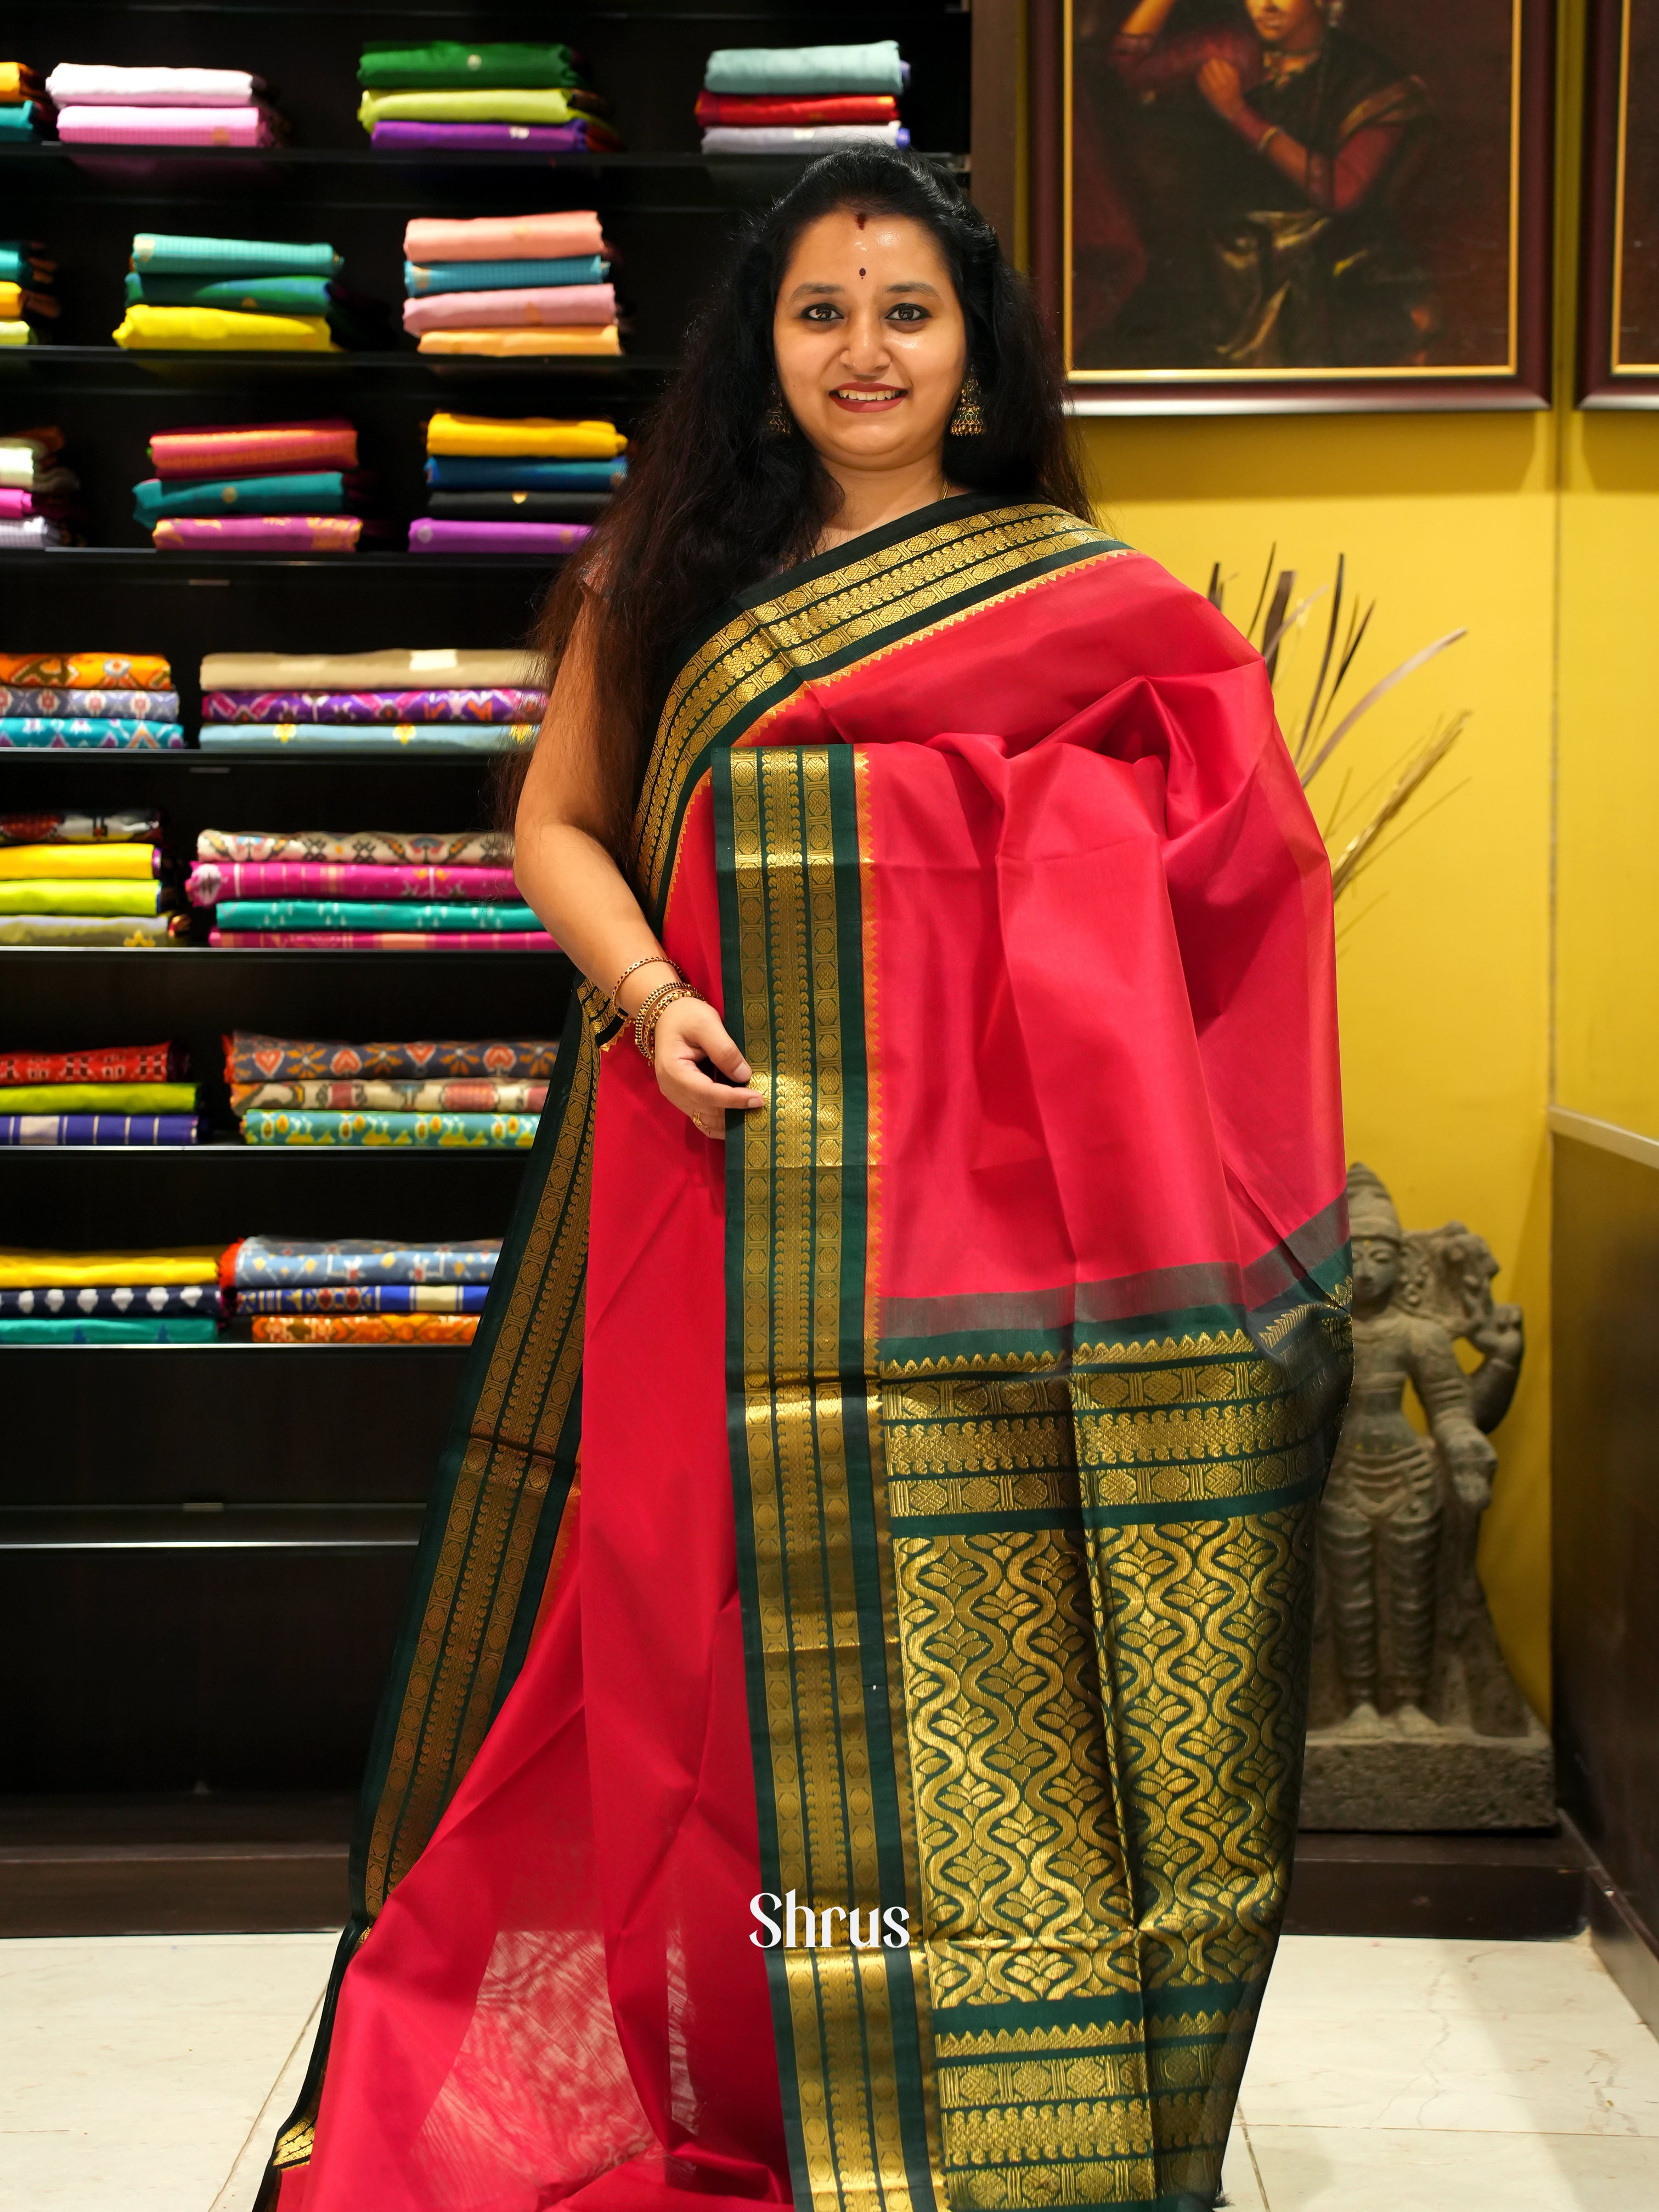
(1444, 948)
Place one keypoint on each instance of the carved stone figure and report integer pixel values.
(1415, 1722)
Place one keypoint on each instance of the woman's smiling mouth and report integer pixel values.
(865, 398)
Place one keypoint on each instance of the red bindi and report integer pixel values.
(861, 272)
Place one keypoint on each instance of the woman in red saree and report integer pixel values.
(845, 1745)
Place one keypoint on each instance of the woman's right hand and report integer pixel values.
(689, 1033)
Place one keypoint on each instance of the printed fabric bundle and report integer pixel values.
(530, 486)
(502, 97)
(101, 105)
(242, 295)
(36, 489)
(28, 301)
(799, 100)
(359, 905)
(462, 1096)
(89, 701)
(354, 1291)
(437, 700)
(520, 285)
(156, 1297)
(262, 486)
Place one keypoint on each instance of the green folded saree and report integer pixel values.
(447, 62)
(98, 1098)
(39, 894)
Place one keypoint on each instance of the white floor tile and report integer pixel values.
(131, 2068)
(1436, 2170)
(1529, 2038)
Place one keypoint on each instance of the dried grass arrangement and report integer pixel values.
(1275, 619)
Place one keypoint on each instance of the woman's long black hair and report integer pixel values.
(714, 501)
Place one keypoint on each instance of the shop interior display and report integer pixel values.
(274, 1483)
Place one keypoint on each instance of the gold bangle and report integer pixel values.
(1271, 131)
(645, 1021)
(649, 960)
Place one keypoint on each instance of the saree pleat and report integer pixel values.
(1034, 1304)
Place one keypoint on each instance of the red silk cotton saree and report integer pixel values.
(845, 1744)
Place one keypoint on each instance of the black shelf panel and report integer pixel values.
(214, 1527)
(108, 369)
(723, 167)
(149, 560)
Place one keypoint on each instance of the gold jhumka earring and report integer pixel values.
(968, 420)
(777, 423)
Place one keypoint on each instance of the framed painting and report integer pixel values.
(1619, 259)
(1295, 206)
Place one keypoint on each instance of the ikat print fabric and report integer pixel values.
(481, 1094)
(483, 710)
(211, 880)
(251, 1058)
(422, 848)
(364, 1328)
(98, 1128)
(367, 1297)
(445, 1131)
(272, 1262)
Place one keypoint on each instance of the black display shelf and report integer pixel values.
(408, 567)
(210, 1524)
(725, 166)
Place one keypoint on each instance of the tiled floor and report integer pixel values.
(141, 2075)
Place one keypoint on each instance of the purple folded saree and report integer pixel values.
(487, 137)
(258, 533)
(487, 705)
(429, 534)
(210, 881)
(98, 1128)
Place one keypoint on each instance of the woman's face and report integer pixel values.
(1291, 25)
(870, 340)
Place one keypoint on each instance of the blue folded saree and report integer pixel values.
(354, 1126)
(795, 72)
(501, 275)
(472, 472)
(73, 732)
(163, 254)
(369, 913)
(321, 492)
(261, 1263)
(277, 296)
(98, 1128)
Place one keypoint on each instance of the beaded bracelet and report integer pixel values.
(645, 1021)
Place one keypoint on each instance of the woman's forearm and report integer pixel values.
(587, 906)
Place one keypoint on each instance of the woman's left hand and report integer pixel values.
(689, 1033)
(1222, 87)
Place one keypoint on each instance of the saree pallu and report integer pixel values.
(249, 1057)
(98, 1128)
(907, 1517)
(496, 704)
(446, 1132)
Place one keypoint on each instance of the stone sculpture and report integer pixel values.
(1415, 1722)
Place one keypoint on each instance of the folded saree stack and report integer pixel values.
(479, 1094)
(798, 99)
(359, 1291)
(510, 285)
(364, 890)
(36, 490)
(439, 700)
(81, 701)
(161, 1297)
(185, 294)
(85, 880)
(258, 487)
(498, 97)
(101, 106)
(136, 1094)
(28, 301)
(491, 479)
(23, 108)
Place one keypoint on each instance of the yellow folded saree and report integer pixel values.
(223, 330)
(564, 338)
(27, 1271)
(75, 863)
(47, 895)
(535, 436)
(499, 104)
(16, 333)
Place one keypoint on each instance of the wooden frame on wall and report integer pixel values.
(1174, 293)
(1619, 247)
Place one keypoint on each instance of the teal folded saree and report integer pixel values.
(321, 492)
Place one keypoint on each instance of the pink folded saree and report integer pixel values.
(94, 125)
(258, 533)
(540, 306)
(504, 237)
(210, 881)
(567, 337)
(253, 448)
(383, 940)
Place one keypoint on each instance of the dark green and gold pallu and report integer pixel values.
(1026, 1574)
